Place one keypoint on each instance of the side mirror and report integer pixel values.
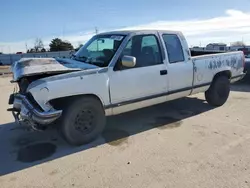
(128, 61)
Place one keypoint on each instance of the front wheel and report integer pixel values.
(218, 92)
(82, 121)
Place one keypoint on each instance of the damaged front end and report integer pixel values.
(25, 109)
(32, 107)
(27, 112)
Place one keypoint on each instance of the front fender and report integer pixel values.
(96, 84)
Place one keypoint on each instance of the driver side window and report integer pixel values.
(146, 50)
(127, 49)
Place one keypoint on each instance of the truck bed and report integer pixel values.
(202, 52)
(206, 66)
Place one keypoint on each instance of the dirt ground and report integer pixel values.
(4, 70)
(183, 143)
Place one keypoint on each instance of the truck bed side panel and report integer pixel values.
(207, 66)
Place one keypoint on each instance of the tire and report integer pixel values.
(82, 121)
(218, 92)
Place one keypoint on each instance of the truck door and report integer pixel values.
(179, 65)
(142, 85)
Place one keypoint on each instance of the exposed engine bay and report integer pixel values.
(24, 82)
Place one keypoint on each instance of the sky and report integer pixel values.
(201, 21)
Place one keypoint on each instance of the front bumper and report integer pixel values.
(25, 112)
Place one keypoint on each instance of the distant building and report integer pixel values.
(233, 48)
(221, 47)
(197, 48)
(8, 59)
(216, 46)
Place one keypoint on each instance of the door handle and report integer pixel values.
(163, 72)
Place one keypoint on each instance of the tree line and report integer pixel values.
(58, 44)
(55, 45)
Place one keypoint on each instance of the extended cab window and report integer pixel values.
(145, 48)
(174, 48)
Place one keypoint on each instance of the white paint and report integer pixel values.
(31, 66)
(135, 83)
(115, 87)
(96, 84)
(138, 105)
(202, 64)
(180, 74)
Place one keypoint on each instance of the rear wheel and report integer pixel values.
(218, 92)
(82, 121)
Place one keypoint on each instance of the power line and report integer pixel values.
(26, 46)
(97, 45)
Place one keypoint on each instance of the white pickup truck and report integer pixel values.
(113, 73)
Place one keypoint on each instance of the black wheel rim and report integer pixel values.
(84, 121)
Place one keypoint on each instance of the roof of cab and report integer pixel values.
(127, 32)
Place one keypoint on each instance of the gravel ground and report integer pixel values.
(182, 143)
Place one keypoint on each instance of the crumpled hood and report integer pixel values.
(36, 66)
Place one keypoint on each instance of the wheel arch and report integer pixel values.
(59, 103)
(213, 95)
(226, 73)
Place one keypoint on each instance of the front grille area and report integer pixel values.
(23, 85)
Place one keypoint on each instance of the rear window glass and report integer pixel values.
(174, 48)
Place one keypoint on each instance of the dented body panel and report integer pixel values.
(37, 66)
(119, 91)
(93, 82)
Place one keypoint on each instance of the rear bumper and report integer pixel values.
(247, 68)
(25, 112)
(238, 77)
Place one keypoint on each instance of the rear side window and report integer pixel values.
(174, 48)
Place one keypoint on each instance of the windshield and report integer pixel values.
(99, 50)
